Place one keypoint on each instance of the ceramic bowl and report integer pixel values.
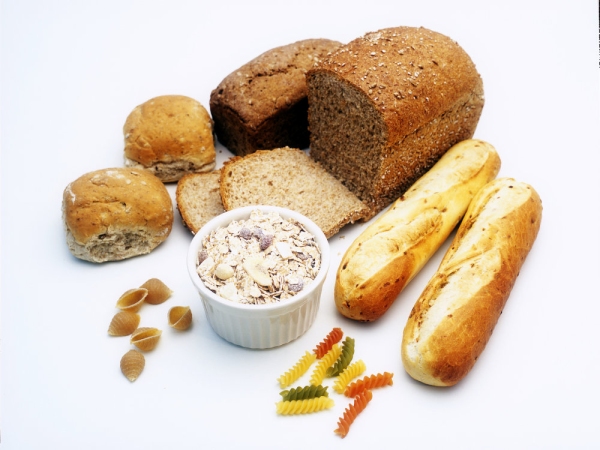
(267, 325)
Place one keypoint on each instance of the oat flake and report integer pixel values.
(268, 246)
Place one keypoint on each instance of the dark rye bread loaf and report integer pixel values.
(386, 106)
(262, 105)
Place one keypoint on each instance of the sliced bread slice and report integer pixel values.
(198, 199)
(290, 178)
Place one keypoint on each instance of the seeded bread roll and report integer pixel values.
(454, 317)
(198, 198)
(114, 214)
(170, 136)
(386, 106)
(262, 105)
(289, 178)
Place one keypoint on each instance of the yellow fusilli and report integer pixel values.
(351, 372)
(324, 363)
(298, 370)
(304, 406)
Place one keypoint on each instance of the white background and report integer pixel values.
(72, 72)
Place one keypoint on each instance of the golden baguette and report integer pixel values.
(394, 248)
(454, 317)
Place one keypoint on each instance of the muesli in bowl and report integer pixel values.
(259, 271)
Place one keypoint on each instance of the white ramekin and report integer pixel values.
(260, 326)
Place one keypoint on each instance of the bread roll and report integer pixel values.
(394, 248)
(454, 317)
(113, 214)
(170, 136)
(386, 106)
(262, 105)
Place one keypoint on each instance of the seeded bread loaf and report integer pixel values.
(198, 199)
(114, 214)
(170, 136)
(262, 105)
(386, 106)
(289, 178)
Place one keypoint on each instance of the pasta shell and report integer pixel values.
(180, 317)
(132, 300)
(123, 323)
(132, 364)
(145, 338)
(158, 292)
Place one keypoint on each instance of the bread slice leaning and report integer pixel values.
(454, 317)
(289, 178)
(198, 199)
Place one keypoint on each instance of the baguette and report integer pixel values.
(392, 250)
(455, 315)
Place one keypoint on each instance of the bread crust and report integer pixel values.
(116, 213)
(392, 250)
(170, 135)
(453, 319)
(386, 106)
(262, 105)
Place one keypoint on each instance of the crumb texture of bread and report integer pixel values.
(117, 213)
(262, 105)
(289, 178)
(453, 319)
(198, 198)
(386, 106)
(170, 135)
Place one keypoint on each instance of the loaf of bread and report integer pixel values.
(262, 105)
(386, 256)
(454, 317)
(289, 178)
(114, 214)
(198, 198)
(385, 107)
(170, 136)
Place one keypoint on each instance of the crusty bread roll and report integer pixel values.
(113, 214)
(170, 136)
(454, 317)
(394, 248)
(289, 178)
(262, 105)
(198, 199)
(384, 108)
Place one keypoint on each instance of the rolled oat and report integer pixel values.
(266, 258)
